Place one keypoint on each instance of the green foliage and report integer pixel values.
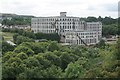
(22, 55)
(6, 47)
(24, 49)
(108, 30)
(118, 49)
(53, 46)
(53, 72)
(31, 35)
(109, 20)
(101, 44)
(15, 37)
(21, 39)
(74, 70)
(43, 61)
(91, 19)
(12, 68)
(28, 34)
(39, 47)
(66, 59)
(52, 36)
(52, 58)
(118, 26)
(31, 60)
(105, 21)
(7, 56)
(16, 21)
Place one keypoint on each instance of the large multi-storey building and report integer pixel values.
(72, 29)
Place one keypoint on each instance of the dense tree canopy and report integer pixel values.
(7, 47)
(105, 21)
(17, 21)
(35, 36)
(108, 30)
(51, 60)
(52, 36)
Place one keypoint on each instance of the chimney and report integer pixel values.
(63, 14)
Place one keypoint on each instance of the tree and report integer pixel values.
(53, 46)
(31, 74)
(34, 60)
(7, 47)
(43, 61)
(24, 49)
(118, 25)
(101, 44)
(28, 34)
(118, 49)
(53, 72)
(7, 56)
(52, 58)
(50, 36)
(15, 37)
(21, 39)
(37, 47)
(22, 56)
(17, 21)
(12, 68)
(92, 53)
(31, 62)
(74, 70)
(7, 22)
(92, 19)
(109, 20)
(100, 18)
(108, 30)
(66, 59)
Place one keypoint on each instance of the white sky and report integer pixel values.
(79, 8)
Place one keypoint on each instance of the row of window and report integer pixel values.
(93, 24)
(81, 33)
(81, 36)
(60, 27)
(53, 22)
(48, 31)
(87, 41)
(93, 27)
(54, 19)
(44, 31)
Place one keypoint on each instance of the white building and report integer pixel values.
(72, 29)
(22, 27)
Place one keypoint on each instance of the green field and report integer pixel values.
(7, 36)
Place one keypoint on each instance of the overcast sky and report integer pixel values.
(79, 8)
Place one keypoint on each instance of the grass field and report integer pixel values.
(7, 36)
